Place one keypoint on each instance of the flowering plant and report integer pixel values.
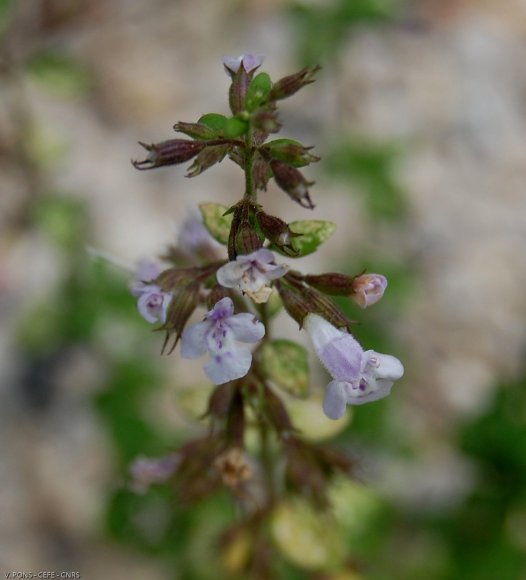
(241, 289)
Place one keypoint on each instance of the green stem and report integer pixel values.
(267, 461)
(250, 192)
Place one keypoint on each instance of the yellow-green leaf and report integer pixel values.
(313, 234)
(311, 539)
(215, 220)
(286, 363)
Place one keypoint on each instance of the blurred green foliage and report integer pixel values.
(372, 168)
(321, 28)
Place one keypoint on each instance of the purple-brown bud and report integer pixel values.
(295, 304)
(289, 85)
(247, 240)
(169, 152)
(237, 93)
(181, 308)
(208, 157)
(292, 182)
(277, 232)
(332, 283)
(368, 289)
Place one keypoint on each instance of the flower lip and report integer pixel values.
(252, 273)
(249, 61)
(359, 377)
(219, 334)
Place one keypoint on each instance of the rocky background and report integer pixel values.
(434, 91)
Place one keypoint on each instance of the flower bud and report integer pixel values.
(289, 85)
(332, 283)
(368, 289)
(290, 152)
(295, 304)
(181, 308)
(195, 130)
(292, 182)
(208, 157)
(169, 152)
(247, 240)
(277, 232)
(237, 93)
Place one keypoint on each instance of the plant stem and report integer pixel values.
(250, 192)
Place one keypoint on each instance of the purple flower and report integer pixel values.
(217, 335)
(145, 471)
(359, 377)
(194, 240)
(252, 274)
(250, 62)
(367, 289)
(153, 302)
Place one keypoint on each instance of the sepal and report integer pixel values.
(290, 152)
(208, 157)
(169, 152)
(292, 182)
(287, 86)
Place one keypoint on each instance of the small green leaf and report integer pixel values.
(313, 234)
(214, 121)
(215, 220)
(258, 91)
(286, 363)
(235, 127)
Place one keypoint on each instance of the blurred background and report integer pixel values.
(419, 115)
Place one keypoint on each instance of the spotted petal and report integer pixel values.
(193, 340)
(228, 366)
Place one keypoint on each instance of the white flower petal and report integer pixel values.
(228, 366)
(276, 271)
(193, 340)
(335, 401)
(231, 273)
(320, 331)
(383, 366)
(375, 390)
(246, 328)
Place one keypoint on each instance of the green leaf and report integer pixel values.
(286, 363)
(214, 121)
(215, 220)
(314, 233)
(235, 127)
(258, 91)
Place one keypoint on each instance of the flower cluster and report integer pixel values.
(223, 281)
(199, 272)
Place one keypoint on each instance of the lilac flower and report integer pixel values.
(250, 62)
(145, 471)
(368, 289)
(252, 274)
(218, 334)
(153, 302)
(194, 240)
(359, 377)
